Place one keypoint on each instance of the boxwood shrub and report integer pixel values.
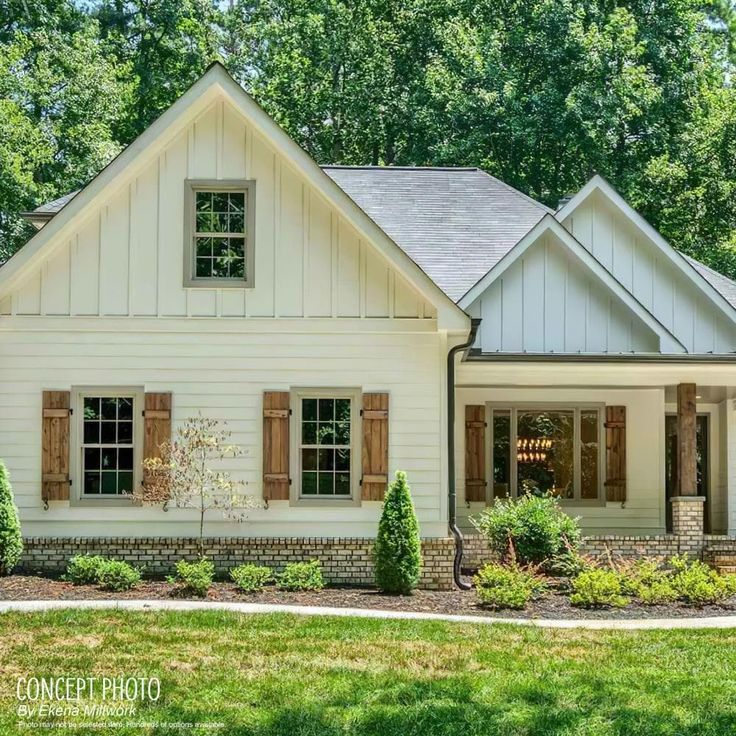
(530, 529)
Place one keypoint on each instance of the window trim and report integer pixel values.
(576, 407)
(76, 447)
(295, 401)
(191, 187)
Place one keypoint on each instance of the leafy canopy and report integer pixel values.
(540, 94)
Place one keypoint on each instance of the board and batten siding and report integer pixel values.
(651, 277)
(223, 373)
(126, 258)
(548, 302)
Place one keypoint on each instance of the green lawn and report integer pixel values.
(287, 675)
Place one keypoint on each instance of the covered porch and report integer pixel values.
(634, 448)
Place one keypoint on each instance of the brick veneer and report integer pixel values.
(477, 551)
(687, 522)
(345, 560)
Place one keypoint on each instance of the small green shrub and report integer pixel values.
(657, 593)
(598, 588)
(84, 569)
(699, 585)
(647, 581)
(535, 526)
(499, 586)
(118, 575)
(397, 553)
(570, 563)
(194, 577)
(301, 576)
(251, 578)
(11, 541)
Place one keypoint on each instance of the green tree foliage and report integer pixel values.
(397, 552)
(61, 96)
(166, 46)
(540, 94)
(11, 541)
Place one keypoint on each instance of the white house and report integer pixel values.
(213, 267)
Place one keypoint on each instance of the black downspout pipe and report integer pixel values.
(451, 495)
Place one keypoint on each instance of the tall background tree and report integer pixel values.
(540, 94)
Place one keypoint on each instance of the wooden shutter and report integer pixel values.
(615, 453)
(475, 453)
(156, 425)
(276, 445)
(375, 447)
(55, 446)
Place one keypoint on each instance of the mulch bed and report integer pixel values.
(551, 605)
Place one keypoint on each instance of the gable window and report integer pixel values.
(219, 240)
(325, 425)
(108, 433)
(547, 449)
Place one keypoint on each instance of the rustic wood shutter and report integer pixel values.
(276, 445)
(375, 447)
(55, 446)
(156, 425)
(615, 453)
(475, 453)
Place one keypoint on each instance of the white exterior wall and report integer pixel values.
(223, 373)
(639, 265)
(548, 302)
(641, 388)
(107, 307)
(643, 512)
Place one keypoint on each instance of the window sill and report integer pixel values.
(325, 502)
(91, 502)
(218, 284)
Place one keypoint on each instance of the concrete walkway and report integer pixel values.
(713, 622)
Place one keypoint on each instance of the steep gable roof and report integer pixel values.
(710, 287)
(668, 341)
(455, 223)
(216, 82)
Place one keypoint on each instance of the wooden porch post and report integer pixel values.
(686, 440)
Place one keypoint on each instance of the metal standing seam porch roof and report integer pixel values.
(454, 223)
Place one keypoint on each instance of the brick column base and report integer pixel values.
(687, 523)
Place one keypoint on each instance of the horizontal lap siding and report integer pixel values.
(224, 376)
(644, 509)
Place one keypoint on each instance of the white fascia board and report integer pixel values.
(668, 342)
(213, 84)
(598, 183)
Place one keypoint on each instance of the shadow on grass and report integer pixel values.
(443, 709)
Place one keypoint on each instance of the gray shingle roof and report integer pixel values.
(53, 207)
(719, 282)
(454, 223)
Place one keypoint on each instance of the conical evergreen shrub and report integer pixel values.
(397, 553)
(11, 541)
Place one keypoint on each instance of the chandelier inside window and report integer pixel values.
(532, 449)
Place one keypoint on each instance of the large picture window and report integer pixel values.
(543, 449)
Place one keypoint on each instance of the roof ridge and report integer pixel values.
(370, 167)
(519, 192)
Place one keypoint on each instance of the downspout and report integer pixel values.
(451, 495)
